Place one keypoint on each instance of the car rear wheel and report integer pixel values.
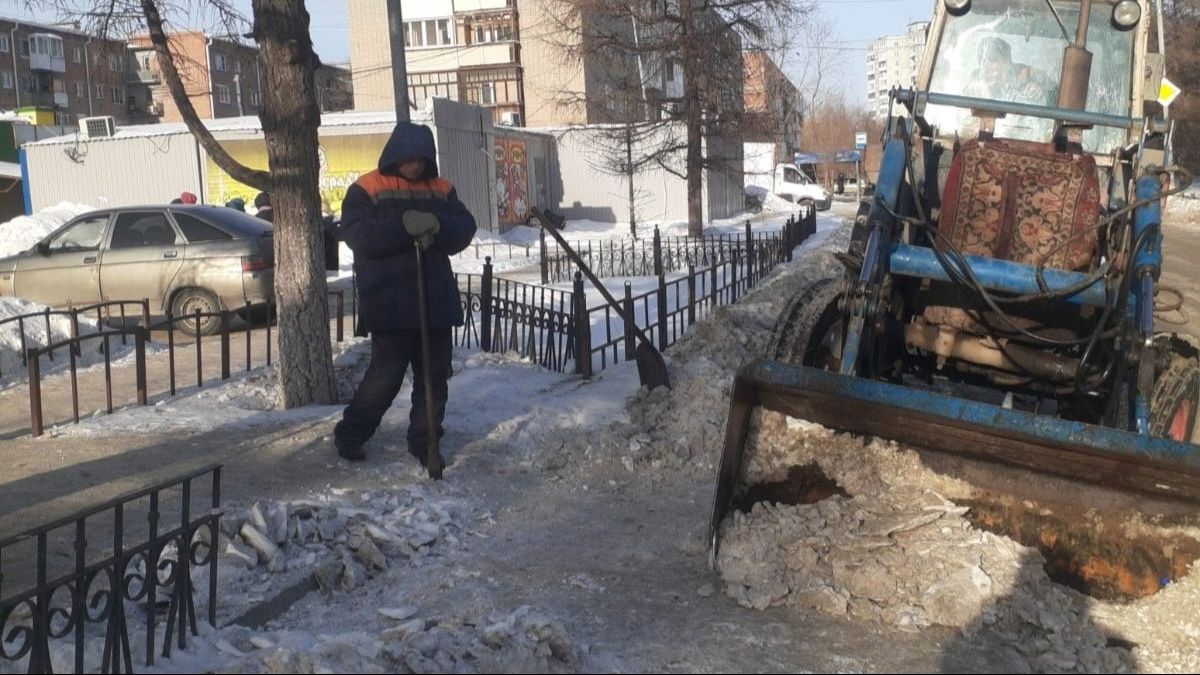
(190, 300)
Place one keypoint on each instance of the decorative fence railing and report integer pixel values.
(113, 326)
(649, 256)
(93, 594)
(549, 326)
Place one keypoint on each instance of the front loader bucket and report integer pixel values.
(928, 420)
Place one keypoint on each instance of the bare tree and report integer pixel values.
(1182, 19)
(290, 118)
(655, 44)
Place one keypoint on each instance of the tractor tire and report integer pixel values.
(187, 301)
(809, 331)
(1175, 400)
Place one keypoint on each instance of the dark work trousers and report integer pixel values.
(391, 354)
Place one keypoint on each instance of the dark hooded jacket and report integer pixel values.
(384, 256)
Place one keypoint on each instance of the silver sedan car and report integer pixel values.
(183, 258)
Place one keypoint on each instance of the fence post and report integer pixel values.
(545, 263)
(146, 312)
(627, 320)
(35, 392)
(750, 255)
(691, 282)
(340, 308)
(712, 283)
(661, 297)
(583, 329)
(485, 307)
(658, 266)
(810, 218)
(139, 347)
(225, 344)
(733, 277)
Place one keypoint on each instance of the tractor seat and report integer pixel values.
(1018, 200)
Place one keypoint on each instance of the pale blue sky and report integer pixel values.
(855, 23)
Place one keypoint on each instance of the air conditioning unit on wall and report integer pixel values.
(97, 127)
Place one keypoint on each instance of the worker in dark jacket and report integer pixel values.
(385, 215)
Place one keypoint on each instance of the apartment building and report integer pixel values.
(893, 61)
(772, 104)
(55, 74)
(222, 76)
(463, 50)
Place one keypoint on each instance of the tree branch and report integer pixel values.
(255, 178)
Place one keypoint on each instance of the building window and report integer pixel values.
(24, 48)
(6, 79)
(222, 94)
(101, 90)
(56, 49)
(77, 55)
(428, 33)
(255, 98)
(482, 93)
(219, 63)
(31, 83)
(118, 95)
(493, 32)
(114, 63)
(81, 90)
(62, 118)
(4, 45)
(237, 65)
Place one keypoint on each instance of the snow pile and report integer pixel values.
(21, 233)
(525, 640)
(12, 367)
(771, 203)
(897, 550)
(344, 538)
(1186, 202)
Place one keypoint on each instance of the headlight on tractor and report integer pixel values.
(1127, 13)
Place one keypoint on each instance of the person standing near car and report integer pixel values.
(386, 214)
(262, 203)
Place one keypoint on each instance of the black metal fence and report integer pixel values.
(548, 326)
(93, 593)
(649, 256)
(551, 327)
(114, 325)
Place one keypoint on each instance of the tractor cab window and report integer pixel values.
(1012, 51)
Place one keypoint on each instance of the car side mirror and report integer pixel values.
(43, 248)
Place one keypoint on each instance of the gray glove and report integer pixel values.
(421, 226)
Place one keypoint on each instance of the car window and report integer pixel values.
(196, 230)
(791, 176)
(84, 235)
(142, 229)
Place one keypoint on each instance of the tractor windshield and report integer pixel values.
(1013, 51)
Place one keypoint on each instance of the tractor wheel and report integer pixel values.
(1175, 399)
(810, 329)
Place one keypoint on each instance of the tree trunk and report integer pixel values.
(290, 119)
(693, 119)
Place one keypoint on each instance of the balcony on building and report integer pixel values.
(46, 53)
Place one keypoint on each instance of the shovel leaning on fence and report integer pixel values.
(652, 369)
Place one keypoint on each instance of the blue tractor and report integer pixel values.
(1001, 284)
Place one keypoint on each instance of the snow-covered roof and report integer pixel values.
(233, 124)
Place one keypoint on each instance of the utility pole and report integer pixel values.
(399, 73)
